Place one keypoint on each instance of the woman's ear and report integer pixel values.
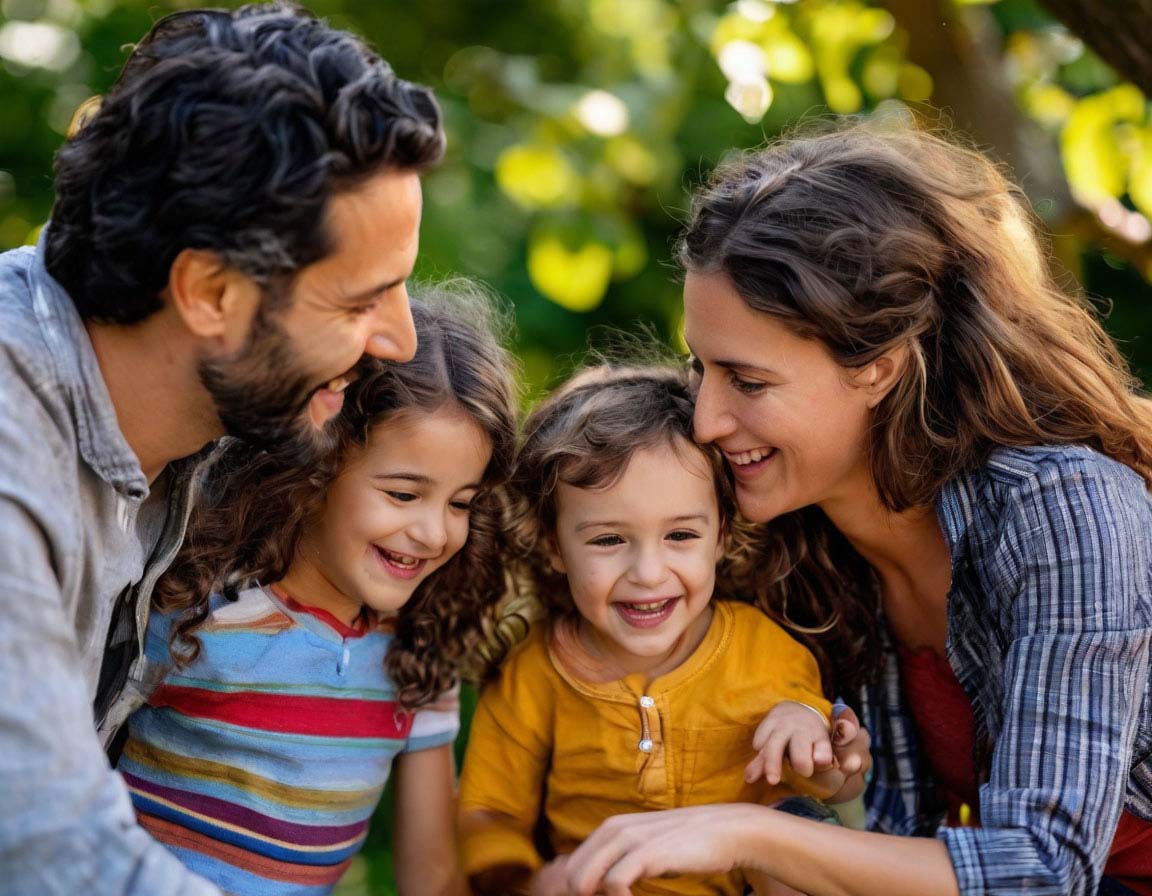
(878, 378)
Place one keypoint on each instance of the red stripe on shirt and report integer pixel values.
(287, 713)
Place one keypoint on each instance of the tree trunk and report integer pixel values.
(1119, 32)
(962, 54)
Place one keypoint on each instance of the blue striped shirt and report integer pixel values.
(1049, 632)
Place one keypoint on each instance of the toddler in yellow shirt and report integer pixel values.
(638, 690)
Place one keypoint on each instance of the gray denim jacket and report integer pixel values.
(82, 541)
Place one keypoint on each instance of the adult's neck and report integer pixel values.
(910, 555)
(149, 368)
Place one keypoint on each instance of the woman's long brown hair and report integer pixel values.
(871, 237)
(257, 505)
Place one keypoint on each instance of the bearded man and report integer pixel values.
(232, 233)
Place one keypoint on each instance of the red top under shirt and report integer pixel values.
(943, 716)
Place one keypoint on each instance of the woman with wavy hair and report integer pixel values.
(950, 465)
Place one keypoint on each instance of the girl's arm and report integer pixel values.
(424, 838)
(815, 858)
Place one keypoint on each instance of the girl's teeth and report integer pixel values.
(400, 559)
(649, 608)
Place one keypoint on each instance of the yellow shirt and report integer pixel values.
(543, 738)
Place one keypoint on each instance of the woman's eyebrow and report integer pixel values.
(732, 363)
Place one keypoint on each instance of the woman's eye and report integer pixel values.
(405, 497)
(682, 535)
(605, 541)
(695, 365)
(747, 387)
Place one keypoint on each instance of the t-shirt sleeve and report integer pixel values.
(435, 724)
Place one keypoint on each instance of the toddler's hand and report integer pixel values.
(792, 731)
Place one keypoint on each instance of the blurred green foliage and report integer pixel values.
(576, 128)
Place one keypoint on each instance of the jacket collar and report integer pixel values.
(82, 386)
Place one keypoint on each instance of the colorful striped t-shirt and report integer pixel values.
(260, 763)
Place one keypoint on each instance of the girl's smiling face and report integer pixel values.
(792, 422)
(640, 557)
(398, 511)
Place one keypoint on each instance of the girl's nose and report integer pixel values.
(431, 531)
(648, 568)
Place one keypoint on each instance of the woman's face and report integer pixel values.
(791, 422)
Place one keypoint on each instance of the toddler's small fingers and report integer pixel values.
(822, 756)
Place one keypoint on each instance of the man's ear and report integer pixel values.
(215, 301)
(878, 378)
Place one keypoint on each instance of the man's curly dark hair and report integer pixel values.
(228, 131)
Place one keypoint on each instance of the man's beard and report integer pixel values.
(262, 396)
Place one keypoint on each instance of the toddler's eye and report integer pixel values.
(606, 540)
(682, 535)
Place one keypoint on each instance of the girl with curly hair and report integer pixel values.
(950, 466)
(316, 627)
(638, 690)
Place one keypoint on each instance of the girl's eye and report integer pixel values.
(404, 497)
(682, 535)
(605, 541)
(463, 506)
(746, 387)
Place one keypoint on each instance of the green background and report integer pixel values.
(571, 215)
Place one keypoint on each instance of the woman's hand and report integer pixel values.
(851, 747)
(628, 848)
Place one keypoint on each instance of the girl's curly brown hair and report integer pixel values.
(584, 434)
(256, 505)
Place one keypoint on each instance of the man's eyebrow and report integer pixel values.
(372, 291)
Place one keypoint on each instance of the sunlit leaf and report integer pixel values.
(1140, 176)
(789, 60)
(632, 160)
(914, 83)
(536, 176)
(1094, 160)
(574, 278)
